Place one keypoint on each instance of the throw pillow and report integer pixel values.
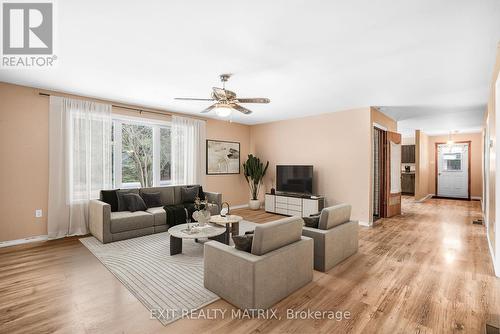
(109, 196)
(134, 202)
(188, 194)
(311, 221)
(122, 205)
(201, 193)
(152, 200)
(243, 242)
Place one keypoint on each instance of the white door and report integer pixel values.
(453, 170)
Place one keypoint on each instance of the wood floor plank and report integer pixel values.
(427, 271)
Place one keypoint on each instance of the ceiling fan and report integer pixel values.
(225, 100)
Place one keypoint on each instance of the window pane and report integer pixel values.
(165, 154)
(137, 155)
(453, 164)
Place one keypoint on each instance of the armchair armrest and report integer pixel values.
(100, 220)
(334, 245)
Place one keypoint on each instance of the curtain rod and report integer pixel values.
(132, 108)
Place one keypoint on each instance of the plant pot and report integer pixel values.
(254, 204)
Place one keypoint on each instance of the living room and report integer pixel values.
(212, 182)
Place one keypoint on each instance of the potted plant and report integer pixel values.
(254, 171)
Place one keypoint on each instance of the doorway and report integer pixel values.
(453, 170)
(386, 181)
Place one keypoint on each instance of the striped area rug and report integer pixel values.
(158, 280)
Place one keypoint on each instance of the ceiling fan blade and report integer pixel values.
(209, 108)
(241, 109)
(253, 100)
(192, 99)
(219, 93)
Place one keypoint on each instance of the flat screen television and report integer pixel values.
(295, 179)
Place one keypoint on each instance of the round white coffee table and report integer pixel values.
(179, 232)
(231, 222)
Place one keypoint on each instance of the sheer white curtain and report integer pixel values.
(188, 150)
(80, 162)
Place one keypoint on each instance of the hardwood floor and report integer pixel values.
(428, 270)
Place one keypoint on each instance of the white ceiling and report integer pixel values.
(414, 58)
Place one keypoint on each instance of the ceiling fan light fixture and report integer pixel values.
(223, 110)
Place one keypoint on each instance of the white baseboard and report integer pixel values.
(478, 198)
(496, 268)
(367, 224)
(9, 243)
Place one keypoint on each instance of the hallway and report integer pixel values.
(439, 261)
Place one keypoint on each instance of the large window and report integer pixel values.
(141, 154)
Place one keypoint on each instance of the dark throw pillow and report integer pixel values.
(122, 205)
(188, 194)
(152, 200)
(311, 221)
(109, 196)
(134, 202)
(201, 193)
(243, 242)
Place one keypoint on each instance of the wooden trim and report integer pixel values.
(468, 142)
(391, 209)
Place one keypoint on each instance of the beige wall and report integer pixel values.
(476, 189)
(422, 165)
(338, 144)
(490, 117)
(24, 164)
(408, 141)
(234, 188)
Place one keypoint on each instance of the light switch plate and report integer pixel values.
(38, 213)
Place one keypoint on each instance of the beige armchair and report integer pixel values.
(336, 237)
(281, 261)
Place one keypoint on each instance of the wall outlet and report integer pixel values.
(38, 213)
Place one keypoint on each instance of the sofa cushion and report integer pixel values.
(122, 221)
(152, 200)
(109, 196)
(178, 195)
(166, 194)
(274, 235)
(189, 194)
(159, 215)
(334, 215)
(201, 193)
(122, 205)
(134, 202)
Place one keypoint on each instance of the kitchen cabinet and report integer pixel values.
(408, 154)
(408, 183)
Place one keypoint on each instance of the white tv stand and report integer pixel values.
(290, 205)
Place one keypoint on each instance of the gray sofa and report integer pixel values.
(110, 226)
(280, 262)
(336, 237)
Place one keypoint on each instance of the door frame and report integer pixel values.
(468, 142)
(391, 210)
